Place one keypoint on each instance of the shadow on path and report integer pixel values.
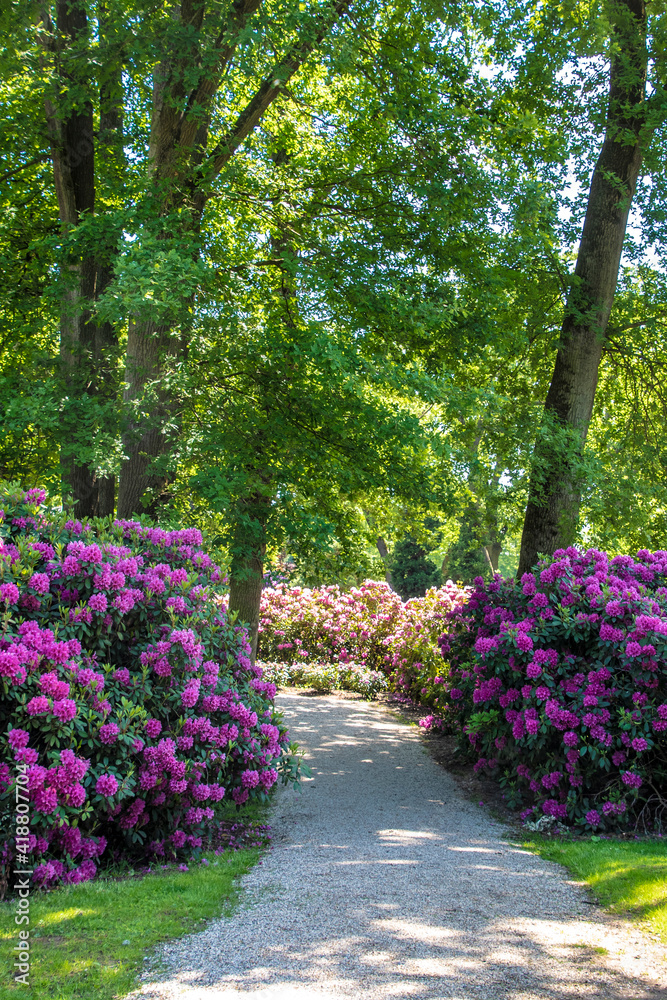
(385, 882)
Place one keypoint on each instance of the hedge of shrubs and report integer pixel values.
(369, 626)
(129, 710)
(558, 685)
(327, 677)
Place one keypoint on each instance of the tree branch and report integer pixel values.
(240, 12)
(270, 88)
(24, 166)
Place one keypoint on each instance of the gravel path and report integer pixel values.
(385, 882)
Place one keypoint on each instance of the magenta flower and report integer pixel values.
(38, 705)
(98, 602)
(65, 710)
(46, 800)
(39, 582)
(106, 785)
(18, 738)
(9, 593)
(153, 728)
(109, 733)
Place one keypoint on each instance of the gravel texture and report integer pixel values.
(385, 882)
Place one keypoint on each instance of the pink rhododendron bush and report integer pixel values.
(559, 685)
(129, 709)
(369, 626)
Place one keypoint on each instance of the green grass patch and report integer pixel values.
(629, 877)
(88, 941)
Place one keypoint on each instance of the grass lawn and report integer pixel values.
(629, 877)
(88, 941)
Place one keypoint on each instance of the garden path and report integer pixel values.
(385, 882)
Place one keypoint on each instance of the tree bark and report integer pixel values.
(246, 577)
(85, 344)
(492, 551)
(384, 555)
(552, 512)
(144, 478)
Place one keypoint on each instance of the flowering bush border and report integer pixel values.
(559, 685)
(126, 697)
(369, 626)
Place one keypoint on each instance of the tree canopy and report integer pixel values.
(302, 269)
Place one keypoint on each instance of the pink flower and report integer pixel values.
(64, 710)
(38, 705)
(18, 738)
(109, 733)
(9, 593)
(39, 582)
(153, 728)
(614, 609)
(98, 602)
(76, 795)
(106, 785)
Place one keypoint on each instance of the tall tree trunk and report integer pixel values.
(85, 344)
(246, 576)
(554, 501)
(144, 478)
(492, 551)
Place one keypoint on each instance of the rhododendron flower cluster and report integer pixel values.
(368, 625)
(558, 684)
(129, 703)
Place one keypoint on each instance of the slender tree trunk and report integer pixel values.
(444, 566)
(384, 555)
(552, 513)
(246, 577)
(492, 552)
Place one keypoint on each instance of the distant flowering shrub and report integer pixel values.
(368, 625)
(325, 677)
(129, 708)
(559, 685)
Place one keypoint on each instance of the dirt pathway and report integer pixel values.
(384, 882)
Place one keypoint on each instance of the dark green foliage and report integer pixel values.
(412, 572)
(466, 558)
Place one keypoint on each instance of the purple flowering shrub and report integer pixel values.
(559, 685)
(129, 707)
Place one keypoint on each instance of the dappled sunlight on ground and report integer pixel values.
(386, 883)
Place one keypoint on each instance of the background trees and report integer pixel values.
(304, 268)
